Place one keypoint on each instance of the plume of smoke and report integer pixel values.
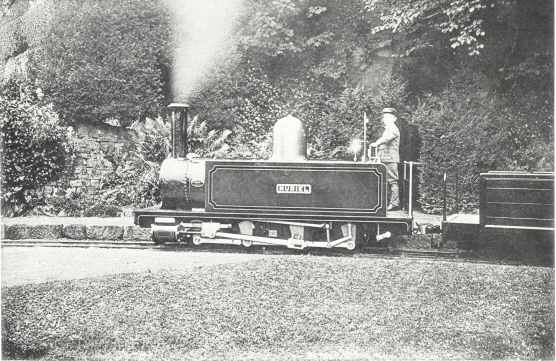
(202, 37)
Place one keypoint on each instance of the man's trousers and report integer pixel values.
(392, 180)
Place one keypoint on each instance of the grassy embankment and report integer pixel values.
(292, 307)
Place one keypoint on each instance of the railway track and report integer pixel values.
(180, 247)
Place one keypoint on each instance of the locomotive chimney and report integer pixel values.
(289, 143)
(178, 118)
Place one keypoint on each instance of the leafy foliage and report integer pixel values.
(93, 66)
(479, 75)
(207, 143)
(244, 100)
(481, 133)
(462, 20)
(134, 180)
(36, 149)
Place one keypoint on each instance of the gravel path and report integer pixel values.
(21, 265)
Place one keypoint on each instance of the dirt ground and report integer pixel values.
(22, 265)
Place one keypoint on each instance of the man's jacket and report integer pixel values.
(389, 148)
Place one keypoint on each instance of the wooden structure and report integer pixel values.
(516, 214)
(517, 200)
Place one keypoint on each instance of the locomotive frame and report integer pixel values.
(285, 201)
(199, 226)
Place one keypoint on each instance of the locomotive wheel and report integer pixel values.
(196, 240)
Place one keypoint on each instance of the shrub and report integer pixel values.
(338, 118)
(134, 180)
(99, 60)
(69, 202)
(207, 143)
(467, 130)
(453, 134)
(36, 149)
(242, 98)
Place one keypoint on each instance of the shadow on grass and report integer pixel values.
(21, 349)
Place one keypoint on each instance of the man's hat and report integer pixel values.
(389, 111)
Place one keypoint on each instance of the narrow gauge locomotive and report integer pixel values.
(285, 201)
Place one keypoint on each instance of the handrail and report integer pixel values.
(410, 200)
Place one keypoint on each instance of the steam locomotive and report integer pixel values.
(287, 200)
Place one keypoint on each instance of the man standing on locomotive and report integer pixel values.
(389, 153)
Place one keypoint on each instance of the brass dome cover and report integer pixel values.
(289, 142)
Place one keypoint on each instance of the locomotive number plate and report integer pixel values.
(293, 188)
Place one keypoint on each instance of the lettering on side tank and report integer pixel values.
(287, 188)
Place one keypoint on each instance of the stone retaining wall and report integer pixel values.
(76, 231)
(95, 143)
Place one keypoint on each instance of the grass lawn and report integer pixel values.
(290, 307)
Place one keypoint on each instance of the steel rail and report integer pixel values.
(176, 246)
(440, 255)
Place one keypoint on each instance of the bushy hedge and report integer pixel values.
(100, 60)
(466, 130)
(36, 149)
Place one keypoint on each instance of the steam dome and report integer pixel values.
(289, 143)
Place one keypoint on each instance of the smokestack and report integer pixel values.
(179, 129)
